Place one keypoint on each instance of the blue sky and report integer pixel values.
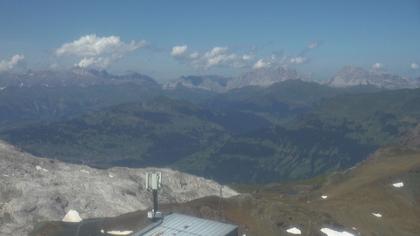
(214, 37)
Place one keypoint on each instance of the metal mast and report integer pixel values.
(153, 184)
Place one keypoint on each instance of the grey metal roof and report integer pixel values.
(182, 225)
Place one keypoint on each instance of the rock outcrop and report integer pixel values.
(356, 76)
(36, 189)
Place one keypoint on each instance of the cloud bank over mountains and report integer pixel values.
(100, 52)
(261, 63)
(214, 57)
(377, 66)
(225, 57)
(13, 62)
(179, 51)
(96, 51)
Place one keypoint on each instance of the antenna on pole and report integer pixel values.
(153, 184)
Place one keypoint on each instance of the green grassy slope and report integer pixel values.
(374, 118)
(167, 132)
(158, 132)
(336, 133)
(39, 104)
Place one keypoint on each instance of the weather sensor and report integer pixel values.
(153, 184)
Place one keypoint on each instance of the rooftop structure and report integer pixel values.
(183, 225)
(178, 224)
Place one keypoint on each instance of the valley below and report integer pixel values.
(289, 130)
(283, 156)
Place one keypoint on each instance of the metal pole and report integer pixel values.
(155, 201)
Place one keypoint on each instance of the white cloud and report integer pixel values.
(414, 66)
(220, 56)
(98, 51)
(224, 57)
(215, 52)
(298, 60)
(313, 45)
(377, 66)
(92, 45)
(261, 64)
(97, 62)
(216, 56)
(14, 61)
(194, 55)
(246, 57)
(178, 51)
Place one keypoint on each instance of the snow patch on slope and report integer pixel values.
(331, 232)
(294, 230)
(398, 184)
(117, 232)
(72, 216)
(376, 214)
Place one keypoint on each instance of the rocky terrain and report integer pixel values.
(378, 197)
(412, 139)
(262, 77)
(35, 189)
(348, 76)
(76, 76)
(208, 82)
(355, 76)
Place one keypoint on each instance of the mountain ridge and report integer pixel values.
(353, 76)
(82, 77)
(36, 189)
(348, 76)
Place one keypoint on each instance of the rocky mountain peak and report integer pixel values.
(355, 76)
(76, 76)
(264, 77)
(206, 82)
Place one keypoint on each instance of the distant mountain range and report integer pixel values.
(209, 82)
(73, 77)
(348, 76)
(355, 76)
(263, 77)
